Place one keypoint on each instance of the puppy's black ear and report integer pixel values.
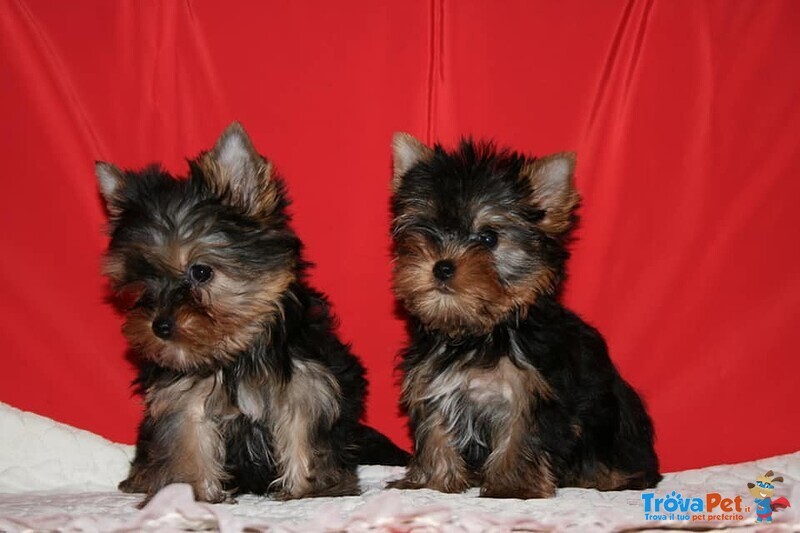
(238, 174)
(779, 479)
(110, 180)
(553, 189)
(751, 485)
(407, 152)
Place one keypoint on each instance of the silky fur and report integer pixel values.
(505, 388)
(252, 391)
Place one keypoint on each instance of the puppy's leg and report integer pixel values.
(306, 409)
(142, 476)
(601, 477)
(199, 457)
(437, 464)
(517, 467)
(180, 442)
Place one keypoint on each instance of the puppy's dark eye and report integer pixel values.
(201, 273)
(488, 238)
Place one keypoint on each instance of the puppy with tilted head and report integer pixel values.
(505, 388)
(246, 386)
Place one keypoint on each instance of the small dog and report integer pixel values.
(504, 387)
(246, 386)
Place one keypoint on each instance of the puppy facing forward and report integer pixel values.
(246, 386)
(504, 387)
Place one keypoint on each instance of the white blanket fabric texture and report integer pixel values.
(55, 477)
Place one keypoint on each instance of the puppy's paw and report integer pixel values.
(449, 484)
(284, 495)
(129, 485)
(415, 478)
(141, 481)
(508, 490)
(405, 484)
(207, 491)
(343, 487)
(344, 483)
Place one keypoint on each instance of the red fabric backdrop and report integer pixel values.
(684, 114)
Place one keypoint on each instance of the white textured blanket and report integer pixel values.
(54, 477)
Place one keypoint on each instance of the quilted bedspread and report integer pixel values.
(55, 477)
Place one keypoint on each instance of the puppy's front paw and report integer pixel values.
(207, 491)
(415, 478)
(129, 485)
(405, 484)
(449, 485)
(508, 490)
(284, 495)
(141, 480)
(452, 484)
(342, 483)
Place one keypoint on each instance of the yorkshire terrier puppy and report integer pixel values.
(246, 386)
(504, 387)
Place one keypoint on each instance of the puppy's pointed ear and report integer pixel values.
(407, 151)
(751, 485)
(110, 180)
(238, 174)
(779, 479)
(553, 189)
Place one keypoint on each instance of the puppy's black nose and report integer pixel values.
(444, 270)
(163, 327)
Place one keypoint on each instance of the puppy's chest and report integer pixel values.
(251, 399)
(215, 398)
(312, 391)
(489, 387)
(477, 391)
